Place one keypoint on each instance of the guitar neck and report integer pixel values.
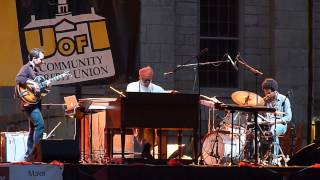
(56, 78)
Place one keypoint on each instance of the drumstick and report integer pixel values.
(117, 91)
(214, 99)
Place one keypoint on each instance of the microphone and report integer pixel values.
(232, 62)
(167, 73)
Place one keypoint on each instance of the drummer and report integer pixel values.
(281, 103)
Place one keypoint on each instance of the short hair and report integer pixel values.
(270, 83)
(34, 53)
(146, 71)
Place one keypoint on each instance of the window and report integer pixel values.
(218, 33)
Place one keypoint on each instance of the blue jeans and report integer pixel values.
(36, 127)
(280, 130)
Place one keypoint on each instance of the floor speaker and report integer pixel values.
(306, 156)
(61, 150)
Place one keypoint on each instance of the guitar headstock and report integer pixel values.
(66, 73)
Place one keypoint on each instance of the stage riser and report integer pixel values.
(145, 172)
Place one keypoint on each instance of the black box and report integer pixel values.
(61, 150)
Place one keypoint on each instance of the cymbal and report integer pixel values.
(246, 98)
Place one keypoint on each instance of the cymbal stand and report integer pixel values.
(232, 135)
(239, 136)
(257, 74)
(215, 147)
(256, 148)
(211, 120)
(231, 156)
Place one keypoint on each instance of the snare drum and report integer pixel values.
(236, 129)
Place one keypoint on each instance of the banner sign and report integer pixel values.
(78, 43)
(93, 39)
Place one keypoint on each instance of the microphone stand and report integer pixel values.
(187, 61)
(256, 73)
(196, 67)
(196, 71)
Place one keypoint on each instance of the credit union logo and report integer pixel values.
(78, 43)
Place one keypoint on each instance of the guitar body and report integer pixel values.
(27, 92)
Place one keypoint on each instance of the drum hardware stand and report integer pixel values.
(260, 127)
(239, 135)
(257, 142)
(232, 112)
(275, 144)
(256, 148)
(256, 73)
(196, 68)
(216, 145)
(211, 120)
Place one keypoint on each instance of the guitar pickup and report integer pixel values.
(24, 93)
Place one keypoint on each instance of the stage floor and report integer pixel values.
(164, 172)
(143, 171)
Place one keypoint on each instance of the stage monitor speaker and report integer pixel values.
(306, 156)
(61, 150)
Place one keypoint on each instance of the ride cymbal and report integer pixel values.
(246, 98)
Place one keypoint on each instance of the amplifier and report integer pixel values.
(13, 146)
(64, 150)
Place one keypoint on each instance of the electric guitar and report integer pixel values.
(27, 92)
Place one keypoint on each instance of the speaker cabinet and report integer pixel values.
(13, 146)
(61, 150)
(306, 156)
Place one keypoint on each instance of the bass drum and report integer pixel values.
(216, 148)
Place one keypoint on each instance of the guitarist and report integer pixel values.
(32, 111)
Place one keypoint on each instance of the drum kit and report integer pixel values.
(224, 145)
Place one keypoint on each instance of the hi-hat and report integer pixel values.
(246, 98)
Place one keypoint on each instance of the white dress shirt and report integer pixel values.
(138, 87)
